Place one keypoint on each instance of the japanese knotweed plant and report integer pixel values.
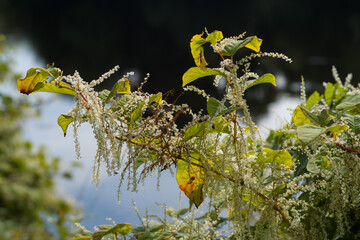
(302, 182)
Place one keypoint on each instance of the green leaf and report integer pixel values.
(144, 156)
(221, 125)
(195, 130)
(275, 156)
(122, 229)
(136, 114)
(121, 86)
(312, 166)
(156, 228)
(349, 101)
(214, 37)
(196, 72)
(354, 122)
(191, 179)
(266, 78)
(308, 133)
(104, 94)
(313, 99)
(214, 106)
(177, 213)
(329, 93)
(234, 45)
(300, 118)
(158, 236)
(64, 121)
(82, 236)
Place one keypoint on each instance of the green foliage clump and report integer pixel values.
(27, 190)
(302, 182)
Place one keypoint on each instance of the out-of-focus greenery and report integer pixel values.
(29, 206)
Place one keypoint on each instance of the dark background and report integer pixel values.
(153, 37)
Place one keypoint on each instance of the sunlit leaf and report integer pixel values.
(35, 82)
(196, 72)
(300, 118)
(312, 100)
(329, 93)
(64, 121)
(275, 156)
(308, 133)
(191, 179)
(54, 87)
(221, 125)
(266, 78)
(137, 112)
(214, 37)
(234, 45)
(122, 86)
(322, 119)
(119, 229)
(336, 129)
(254, 43)
(197, 50)
(156, 98)
(33, 77)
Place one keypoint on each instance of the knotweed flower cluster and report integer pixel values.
(302, 182)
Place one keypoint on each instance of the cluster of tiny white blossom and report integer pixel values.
(228, 148)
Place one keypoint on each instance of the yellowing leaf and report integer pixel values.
(121, 228)
(35, 82)
(136, 114)
(64, 121)
(54, 87)
(196, 72)
(157, 98)
(33, 77)
(122, 86)
(214, 37)
(191, 179)
(254, 44)
(197, 50)
(300, 118)
(337, 129)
